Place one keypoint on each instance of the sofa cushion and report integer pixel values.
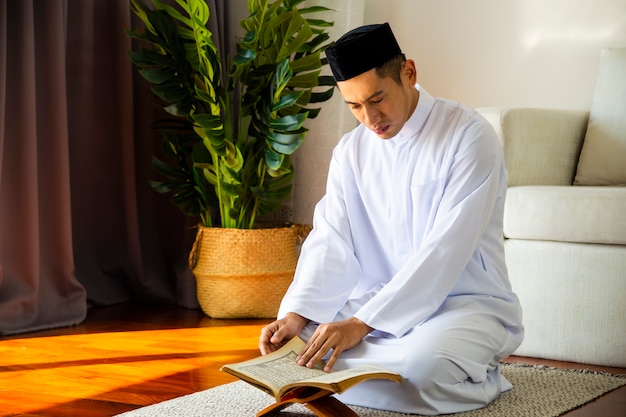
(603, 156)
(566, 214)
(541, 146)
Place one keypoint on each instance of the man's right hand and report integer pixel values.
(279, 332)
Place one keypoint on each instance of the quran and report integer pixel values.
(279, 375)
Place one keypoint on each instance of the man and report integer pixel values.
(405, 265)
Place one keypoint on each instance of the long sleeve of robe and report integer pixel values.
(408, 222)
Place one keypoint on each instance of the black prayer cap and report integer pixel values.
(362, 49)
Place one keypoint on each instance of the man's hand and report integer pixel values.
(276, 334)
(338, 336)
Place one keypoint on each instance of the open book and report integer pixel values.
(279, 375)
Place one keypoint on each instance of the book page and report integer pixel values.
(278, 368)
(281, 371)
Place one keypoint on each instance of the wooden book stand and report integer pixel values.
(320, 402)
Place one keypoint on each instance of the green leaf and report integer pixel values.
(169, 93)
(287, 100)
(320, 23)
(306, 80)
(315, 9)
(287, 123)
(244, 56)
(229, 189)
(326, 80)
(313, 112)
(313, 45)
(322, 96)
(306, 63)
(184, 196)
(233, 159)
(157, 75)
(287, 138)
(285, 143)
(296, 36)
(207, 120)
(172, 12)
(273, 159)
(162, 186)
(167, 170)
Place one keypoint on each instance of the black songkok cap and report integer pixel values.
(362, 49)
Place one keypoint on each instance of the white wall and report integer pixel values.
(535, 53)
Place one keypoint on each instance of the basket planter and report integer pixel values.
(244, 273)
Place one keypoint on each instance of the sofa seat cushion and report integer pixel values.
(567, 214)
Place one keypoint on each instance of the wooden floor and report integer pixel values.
(125, 357)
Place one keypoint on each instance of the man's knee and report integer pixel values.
(431, 374)
(446, 387)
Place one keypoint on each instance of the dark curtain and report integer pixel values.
(79, 223)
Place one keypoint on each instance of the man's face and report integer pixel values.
(381, 104)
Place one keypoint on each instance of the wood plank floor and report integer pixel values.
(125, 357)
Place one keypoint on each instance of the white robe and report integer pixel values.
(408, 239)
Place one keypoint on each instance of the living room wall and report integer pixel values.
(534, 53)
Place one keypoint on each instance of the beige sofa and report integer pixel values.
(565, 221)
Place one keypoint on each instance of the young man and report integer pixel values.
(405, 265)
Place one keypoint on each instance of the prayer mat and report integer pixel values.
(538, 391)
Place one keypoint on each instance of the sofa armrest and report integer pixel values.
(541, 146)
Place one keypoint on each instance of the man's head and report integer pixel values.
(374, 78)
(362, 49)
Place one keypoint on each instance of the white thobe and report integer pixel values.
(408, 238)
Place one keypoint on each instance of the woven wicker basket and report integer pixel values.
(244, 273)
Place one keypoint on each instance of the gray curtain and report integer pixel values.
(79, 222)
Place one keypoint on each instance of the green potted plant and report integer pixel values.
(230, 135)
